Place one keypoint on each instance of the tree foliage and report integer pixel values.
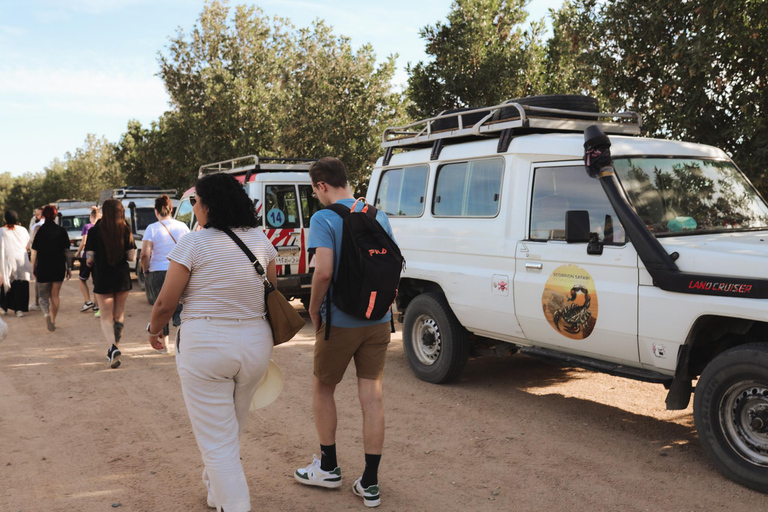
(252, 85)
(482, 55)
(695, 71)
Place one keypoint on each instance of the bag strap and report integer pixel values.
(168, 230)
(269, 287)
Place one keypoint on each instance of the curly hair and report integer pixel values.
(228, 204)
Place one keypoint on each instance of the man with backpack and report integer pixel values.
(357, 269)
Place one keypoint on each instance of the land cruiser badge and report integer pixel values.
(569, 302)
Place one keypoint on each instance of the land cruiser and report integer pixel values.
(282, 192)
(650, 267)
(139, 204)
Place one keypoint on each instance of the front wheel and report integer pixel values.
(435, 343)
(731, 414)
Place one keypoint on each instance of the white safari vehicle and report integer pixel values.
(73, 215)
(139, 204)
(654, 271)
(282, 192)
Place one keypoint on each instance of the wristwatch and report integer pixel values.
(152, 333)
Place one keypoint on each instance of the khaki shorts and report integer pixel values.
(368, 345)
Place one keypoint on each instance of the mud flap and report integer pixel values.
(680, 390)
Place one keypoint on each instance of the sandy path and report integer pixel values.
(514, 434)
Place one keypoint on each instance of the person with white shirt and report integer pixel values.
(158, 241)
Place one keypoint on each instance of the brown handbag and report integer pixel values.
(283, 318)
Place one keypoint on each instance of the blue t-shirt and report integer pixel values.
(326, 231)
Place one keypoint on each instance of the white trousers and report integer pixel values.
(221, 363)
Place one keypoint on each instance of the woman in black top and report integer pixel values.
(108, 250)
(49, 261)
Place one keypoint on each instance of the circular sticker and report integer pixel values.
(276, 217)
(569, 302)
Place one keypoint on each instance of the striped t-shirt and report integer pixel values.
(222, 282)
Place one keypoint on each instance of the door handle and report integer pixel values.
(534, 266)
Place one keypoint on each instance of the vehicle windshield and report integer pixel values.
(675, 196)
(74, 223)
(144, 217)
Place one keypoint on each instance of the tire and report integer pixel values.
(576, 102)
(140, 273)
(731, 412)
(435, 343)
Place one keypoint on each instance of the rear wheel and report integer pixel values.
(435, 343)
(731, 413)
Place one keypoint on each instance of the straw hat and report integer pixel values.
(270, 387)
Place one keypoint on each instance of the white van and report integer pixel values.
(282, 193)
(139, 204)
(72, 216)
(656, 271)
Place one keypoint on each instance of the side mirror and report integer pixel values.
(576, 226)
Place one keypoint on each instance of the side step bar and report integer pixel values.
(598, 366)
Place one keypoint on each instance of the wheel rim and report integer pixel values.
(426, 340)
(744, 420)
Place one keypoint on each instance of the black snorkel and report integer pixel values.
(660, 264)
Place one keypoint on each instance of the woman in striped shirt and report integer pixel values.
(225, 342)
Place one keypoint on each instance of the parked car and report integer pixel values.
(282, 193)
(72, 216)
(654, 272)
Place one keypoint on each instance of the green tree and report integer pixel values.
(696, 71)
(481, 56)
(252, 85)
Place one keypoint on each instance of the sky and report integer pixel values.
(73, 67)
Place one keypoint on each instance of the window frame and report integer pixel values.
(468, 161)
(535, 166)
(404, 168)
(297, 200)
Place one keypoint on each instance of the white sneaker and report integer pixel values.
(313, 475)
(19, 314)
(34, 307)
(88, 305)
(370, 495)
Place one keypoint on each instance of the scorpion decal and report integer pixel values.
(575, 318)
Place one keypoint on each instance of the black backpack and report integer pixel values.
(370, 262)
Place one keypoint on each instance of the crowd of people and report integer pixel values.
(224, 341)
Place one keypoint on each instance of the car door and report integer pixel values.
(565, 297)
(282, 225)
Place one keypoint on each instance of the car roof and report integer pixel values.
(544, 147)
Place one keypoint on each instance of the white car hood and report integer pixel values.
(740, 254)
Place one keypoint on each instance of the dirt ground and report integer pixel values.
(513, 434)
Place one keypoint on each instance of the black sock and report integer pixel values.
(371, 473)
(328, 457)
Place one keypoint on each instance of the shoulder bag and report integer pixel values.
(283, 318)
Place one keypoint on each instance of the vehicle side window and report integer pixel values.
(559, 189)
(281, 209)
(469, 189)
(309, 204)
(402, 192)
(184, 213)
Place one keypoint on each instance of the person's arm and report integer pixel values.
(321, 280)
(146, 254)
(176, 280)
(272, 273)
(33, 259)
(80, 248)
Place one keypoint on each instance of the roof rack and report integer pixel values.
(501, 121)
(254, 163)
(71, 204)
(129, 192)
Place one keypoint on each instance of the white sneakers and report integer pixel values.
(370, 495)
(313, 475)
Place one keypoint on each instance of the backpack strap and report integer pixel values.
(339, 209)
